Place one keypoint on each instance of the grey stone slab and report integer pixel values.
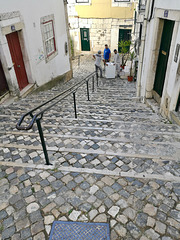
(8, 222)
(141, 220)
(134, 230)
(35, 216)
(57, 184)
(8, 232)
(23, 177)
(3, 214)
(161, 216)
(84, 185)
(175, 214)
(20, 204)
(14, 199)
(100, 194)
(44, 183)
(173, 232)
(25, 233)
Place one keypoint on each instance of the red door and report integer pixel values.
(3, 83)
(17, 58)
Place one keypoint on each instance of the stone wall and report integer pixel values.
(102, 31)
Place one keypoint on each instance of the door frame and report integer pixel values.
(16, 53)
(81, 37)
(178, 104)
(4, 81)
(126, 36)
(163, 57)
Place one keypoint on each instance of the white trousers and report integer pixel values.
(118, 68)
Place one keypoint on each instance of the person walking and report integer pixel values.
(117, 61)
(107, 54)
(98, 59)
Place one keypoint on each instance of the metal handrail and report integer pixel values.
(38, 116)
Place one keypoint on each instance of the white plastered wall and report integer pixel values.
(31, 39)
(153, 36)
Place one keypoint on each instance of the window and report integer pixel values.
(82, 1)
(49, 38)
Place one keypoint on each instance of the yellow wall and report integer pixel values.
(104, 9)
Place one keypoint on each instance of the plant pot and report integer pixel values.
(130, 78)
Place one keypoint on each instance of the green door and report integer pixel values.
(163, 56)
(124, 35)
(85, 45)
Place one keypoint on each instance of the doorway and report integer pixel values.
(17, 58)
(3, 84)
(85, 43)
(163, 56)
(178, 104)
(124, 35)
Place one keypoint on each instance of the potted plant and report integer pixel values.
(124, 47)
(132, 56)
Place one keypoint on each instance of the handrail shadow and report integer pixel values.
(36, 117)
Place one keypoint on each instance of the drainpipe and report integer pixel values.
(68, 35)
(141, 54)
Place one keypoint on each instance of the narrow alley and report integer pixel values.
(117, 163)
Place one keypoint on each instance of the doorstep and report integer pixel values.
(175, 117)
(8, 99)
(29, 88)
(4, 97)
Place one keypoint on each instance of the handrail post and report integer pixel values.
(93, 84)
(79, 60)
(38, 121)
(74, 98)
(97, 81)
(87, 90)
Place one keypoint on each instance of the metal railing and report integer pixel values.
(37, 116)
(78, 57)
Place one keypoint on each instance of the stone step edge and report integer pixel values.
(96, 120)
(100, 128)
(113, 112)
(115, 140)
(112, 129)
(115, 173)
(84, 151)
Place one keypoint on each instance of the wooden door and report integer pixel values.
(17, 58)
(163, 56)
(85, 44)
(3, 84)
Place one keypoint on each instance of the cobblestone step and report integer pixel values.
(129, 163)
(109, 125)
(133, 185)
(97, 135)
(87, 197)
(165, 150)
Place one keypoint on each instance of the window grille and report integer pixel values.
(49, 38)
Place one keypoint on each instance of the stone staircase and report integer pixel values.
(117, 163)
(112, 125)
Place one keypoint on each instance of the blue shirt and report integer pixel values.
(106, 53)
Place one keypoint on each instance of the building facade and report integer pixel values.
(94, 23)
(34, 47)
(159, 60)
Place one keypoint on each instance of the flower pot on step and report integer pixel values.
(130, 78)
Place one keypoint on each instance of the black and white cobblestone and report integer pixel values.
(117, 163)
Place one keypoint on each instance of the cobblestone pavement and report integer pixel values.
(117, 163)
